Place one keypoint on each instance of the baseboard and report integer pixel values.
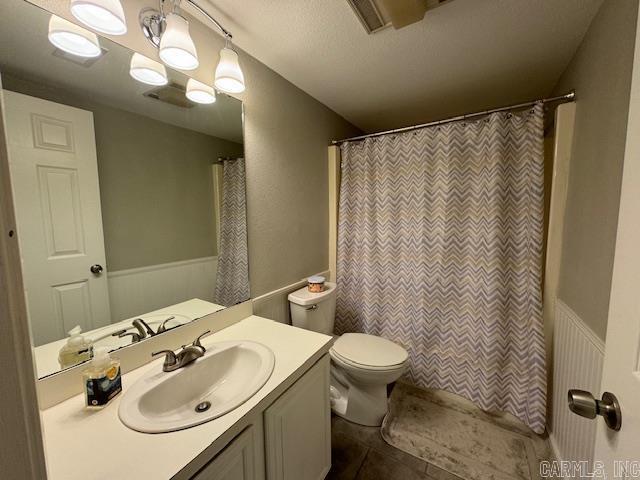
(556, 452)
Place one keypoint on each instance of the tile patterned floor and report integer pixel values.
(360, 453)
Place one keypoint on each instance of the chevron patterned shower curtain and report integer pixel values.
(232, 279)
(439, 249)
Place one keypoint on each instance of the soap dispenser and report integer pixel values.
(101, 378)
(77, 349)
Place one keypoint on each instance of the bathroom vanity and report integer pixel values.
(283, 431)
(129, 199)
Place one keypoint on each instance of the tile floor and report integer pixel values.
(360, 453)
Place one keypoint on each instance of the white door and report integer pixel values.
(620, 451)
(54, 175)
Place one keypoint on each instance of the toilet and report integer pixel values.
(361, 365)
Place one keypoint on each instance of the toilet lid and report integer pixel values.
(369, 350)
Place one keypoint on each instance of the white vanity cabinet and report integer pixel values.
(298, 428)
(242, 459)
(291, 440)
(281, 432)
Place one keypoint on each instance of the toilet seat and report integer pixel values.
(363, 368)
(368, 352)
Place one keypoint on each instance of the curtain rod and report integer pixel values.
(567, 97)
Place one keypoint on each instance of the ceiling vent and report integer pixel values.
(375, 15)
(172, 94)
(369, 15)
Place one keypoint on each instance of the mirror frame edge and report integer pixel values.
(21, 417)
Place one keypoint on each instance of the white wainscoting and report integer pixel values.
(139, 290)
(578, 360)
(274, 305)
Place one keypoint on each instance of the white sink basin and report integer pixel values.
(226, 376)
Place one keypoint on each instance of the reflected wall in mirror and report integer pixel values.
(129, 197)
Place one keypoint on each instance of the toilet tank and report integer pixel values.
(314, 311)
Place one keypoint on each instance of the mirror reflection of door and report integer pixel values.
(54, 175)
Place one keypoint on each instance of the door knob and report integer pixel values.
(96, 269)
(582, 403)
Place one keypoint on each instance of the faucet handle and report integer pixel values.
(170, 358)
(135, 337)
(118, 333)
(196, 342)
(163, 326)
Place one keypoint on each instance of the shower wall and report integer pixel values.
(558, 143)
(600, 72)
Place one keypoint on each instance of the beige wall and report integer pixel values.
(286, 138)
(156, 189)
(600, 72)
(155, 182)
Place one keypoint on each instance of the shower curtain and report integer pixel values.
(232, 279)
(440, 250)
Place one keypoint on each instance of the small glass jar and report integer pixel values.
(315, 284)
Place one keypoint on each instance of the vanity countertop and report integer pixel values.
(87, 444)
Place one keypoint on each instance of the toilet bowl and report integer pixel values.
(361, 365)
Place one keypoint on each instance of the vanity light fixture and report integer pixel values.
(73, 39)
(148, 71)
(176, 46)
(104, 16)
(170, 33)
(229, 76)
(199, 92)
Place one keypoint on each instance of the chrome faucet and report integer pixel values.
(188, 354)
(143, 328)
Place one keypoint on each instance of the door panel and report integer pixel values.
(298, 428)
(54, 173)
(73, 305)
(621, 373)
(242, 459)
(52, 133)
(62, 221)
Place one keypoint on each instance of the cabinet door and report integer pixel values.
(298, 428)
(242, 459)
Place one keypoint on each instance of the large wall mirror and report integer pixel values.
(129, 197)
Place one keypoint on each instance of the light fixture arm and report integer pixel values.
(170, 33)
(225, 32)
(152, 21)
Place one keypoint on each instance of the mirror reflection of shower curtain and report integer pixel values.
(232, 279)
(440, 248)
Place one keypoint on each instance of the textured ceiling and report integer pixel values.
(465, 55)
